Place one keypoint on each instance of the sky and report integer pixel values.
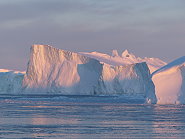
(147, 28)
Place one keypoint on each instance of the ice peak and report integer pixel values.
(115, 53)
(125, 53)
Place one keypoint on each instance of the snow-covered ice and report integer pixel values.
(126, 58)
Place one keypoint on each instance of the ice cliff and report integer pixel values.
(59, 71)
(170, 82)
(133, 80)
(52, 70)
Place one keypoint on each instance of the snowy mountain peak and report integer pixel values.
(115, 53)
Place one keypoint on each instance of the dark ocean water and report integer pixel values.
(59, 117)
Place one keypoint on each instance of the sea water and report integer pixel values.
(45, 117)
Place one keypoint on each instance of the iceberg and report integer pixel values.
(170, 82)
(55, 71)
(10, 81)
(52, 70)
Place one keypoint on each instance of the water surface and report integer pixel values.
(88, 117)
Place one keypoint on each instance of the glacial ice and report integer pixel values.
(170, 82)
(58, 71)
(133, 80)
(125, 59)
(52, 70)
(10, 81)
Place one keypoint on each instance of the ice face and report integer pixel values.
(170, 83)
(59, 71)
(133, 80)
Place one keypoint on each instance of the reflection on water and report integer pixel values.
(169, 121)
(86, 117)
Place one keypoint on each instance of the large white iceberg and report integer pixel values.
(170, 82)
(52, 70)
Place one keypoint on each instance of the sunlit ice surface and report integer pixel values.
(54, 116)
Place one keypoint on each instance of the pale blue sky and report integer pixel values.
(152, 28)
